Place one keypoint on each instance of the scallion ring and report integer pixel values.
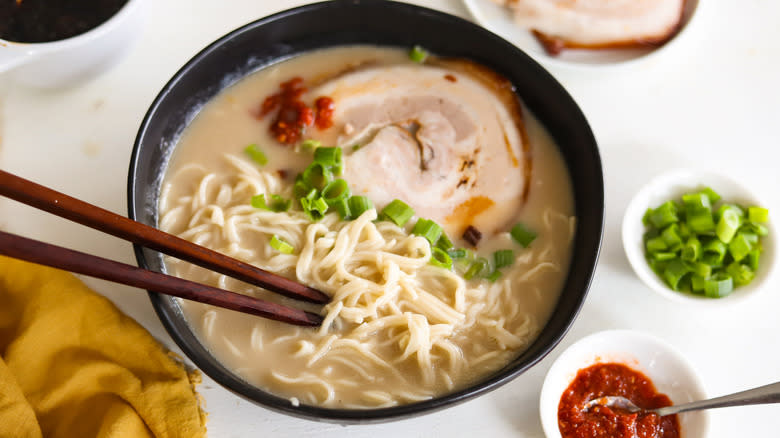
(397, 212)
(440, 258)
(280, 245)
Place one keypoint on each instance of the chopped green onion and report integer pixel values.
(671, 237)
(664, 256)
(281, 246)
(359, 205)
(336, 190)
(459, 253)
(727, 225)
(314, 206)
(755, 228)
(444, 242)
(319, 205)
(418, 54)
(698, 283)
(477, 267)
(495, 275)
(685, 283)
(700, 268)
(329, 157)
(720, 285)
(752, 258)
(440, 258)
(674, 272)
(317, 175)
(397, 212)
(714, 196)
(741, 245)
(655, 244)
(312, 194)
(714, 246)
(462, 259)
(758, 214)
(658, 266)
(664, 215)
(649, 234)
(646, 217)
(277, 204)
(503, 257)
(741, 274)
(696, 201)
(699, 247)
(685, 232)
(714, 252)
(713, 260)
(342, 207)
(522, 235)
(256, 154)
(428, 229)
(724, 207)
(311, 145)
(691, 251)
(700, 221)
(300, 188)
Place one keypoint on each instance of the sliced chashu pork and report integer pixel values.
(559, 24)
(446, 139)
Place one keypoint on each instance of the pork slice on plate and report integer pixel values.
(595, 24)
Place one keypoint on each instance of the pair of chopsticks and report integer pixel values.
(62, 205)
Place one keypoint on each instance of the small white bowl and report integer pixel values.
(62, 62)
(673, 185)
(669, 371)
(498, 19)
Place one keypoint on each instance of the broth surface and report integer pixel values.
(406, 331)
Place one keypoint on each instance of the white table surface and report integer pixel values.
(713, 102)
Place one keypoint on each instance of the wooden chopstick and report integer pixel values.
(93, 266)
(62, 205)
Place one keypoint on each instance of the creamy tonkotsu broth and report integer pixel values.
(398, 329)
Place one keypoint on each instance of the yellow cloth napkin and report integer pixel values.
(72, 365)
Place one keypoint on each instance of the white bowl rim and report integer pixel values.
(632, 221)
(551, 61)
(548, 402)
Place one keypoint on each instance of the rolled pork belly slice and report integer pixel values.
(596, 24)
(446, 137)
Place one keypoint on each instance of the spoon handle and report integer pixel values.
(756, 396)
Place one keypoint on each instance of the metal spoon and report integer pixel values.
(757, 396)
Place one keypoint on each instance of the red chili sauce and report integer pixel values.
(293, 115)
(603, 422)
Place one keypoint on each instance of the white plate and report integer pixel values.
(666, 367)
(498, 19)
(673, 185)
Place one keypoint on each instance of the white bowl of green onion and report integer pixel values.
(699, 237)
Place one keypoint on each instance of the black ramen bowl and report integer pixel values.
(382, 23)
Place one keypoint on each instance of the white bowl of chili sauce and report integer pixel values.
(669, 371)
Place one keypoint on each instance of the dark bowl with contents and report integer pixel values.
(286, 36)
(41, 21)
(47, 44)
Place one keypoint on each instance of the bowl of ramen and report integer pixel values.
(441, 187)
